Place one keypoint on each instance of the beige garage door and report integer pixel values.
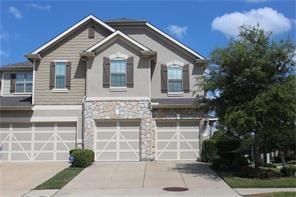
(37, 141)
(177, 140)
(117, 141)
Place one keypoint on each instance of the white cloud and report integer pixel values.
(15, 12)
(3, 53)
(4, 35)
(267, 18)
(255, 1)
(40, 7)
(177, 30)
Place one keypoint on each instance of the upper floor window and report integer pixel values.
(175, 76)
(118, 73)
(23, 83)
(60, 75)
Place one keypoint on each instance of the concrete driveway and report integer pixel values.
(146, 179)
(16, 179)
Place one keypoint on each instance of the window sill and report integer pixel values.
(175, 94)
(59, 90)
(117, 89)
(22, 93)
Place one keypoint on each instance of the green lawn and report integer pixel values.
(239, 182)
(60, 179)
(274, 194)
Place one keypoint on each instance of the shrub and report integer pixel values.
(82, 158)
(216, 164)
(269, 165)
(208, 152)
(288, 171)
(239, 162)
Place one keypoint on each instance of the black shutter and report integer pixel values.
(130, 72)
(52, 75)
(106, 72)
(164, 78)
(12, 83)
(68, 75)
(186, 79)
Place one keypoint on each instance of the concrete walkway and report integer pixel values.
(249, 191)
(16, 179)
(146, 179)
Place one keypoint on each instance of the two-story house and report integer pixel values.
(122, 88)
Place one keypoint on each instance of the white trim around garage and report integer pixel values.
(40, 119)
(57, 107)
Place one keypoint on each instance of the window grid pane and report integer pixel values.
(118, 73)
(60, 71)
(23, 83)
(175, 76)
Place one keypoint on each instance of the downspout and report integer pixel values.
(83, 121)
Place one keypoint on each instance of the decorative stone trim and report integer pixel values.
(120, 109)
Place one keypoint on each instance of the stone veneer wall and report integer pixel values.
(119, 109)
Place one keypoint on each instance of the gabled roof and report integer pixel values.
(174, 41)
(19, 65)
(123, 23)
(86, 19)
(115, 34)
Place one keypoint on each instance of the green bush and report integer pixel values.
(239, 162)
(208, 152)
(269, 165)
(82, 158)
(288, 171)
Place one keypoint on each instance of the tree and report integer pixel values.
(255, 80)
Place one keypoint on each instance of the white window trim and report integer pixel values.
(175, 93)
(118, 56)
(55, 89)
(175, 63)
(25, 85)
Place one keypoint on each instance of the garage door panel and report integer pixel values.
(128, 145)
(22, 136)
(21, 146)
(165, 135)
(168, 156)
(171, 145)
(44, 156)
(117, 140)
(19, 156)
(189, 135)
(127, 156)
(67, 136)
(188, 155)
(129, 135)
(107, 156)
(37, 141)
(177, 140)
(105, 135)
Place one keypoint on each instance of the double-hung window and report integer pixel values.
(175, 76)
(60, 75)
(118, 73)
(23, 83)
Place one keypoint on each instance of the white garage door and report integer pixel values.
(177, 140)
(37, 141)
(117, 141)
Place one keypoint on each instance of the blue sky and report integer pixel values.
(202, 25)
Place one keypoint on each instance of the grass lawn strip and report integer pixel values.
(60, 179)
(274, 194)
(240, 182)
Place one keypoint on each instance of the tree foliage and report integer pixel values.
(255, 79)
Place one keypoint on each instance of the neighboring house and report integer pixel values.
(122, 88)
